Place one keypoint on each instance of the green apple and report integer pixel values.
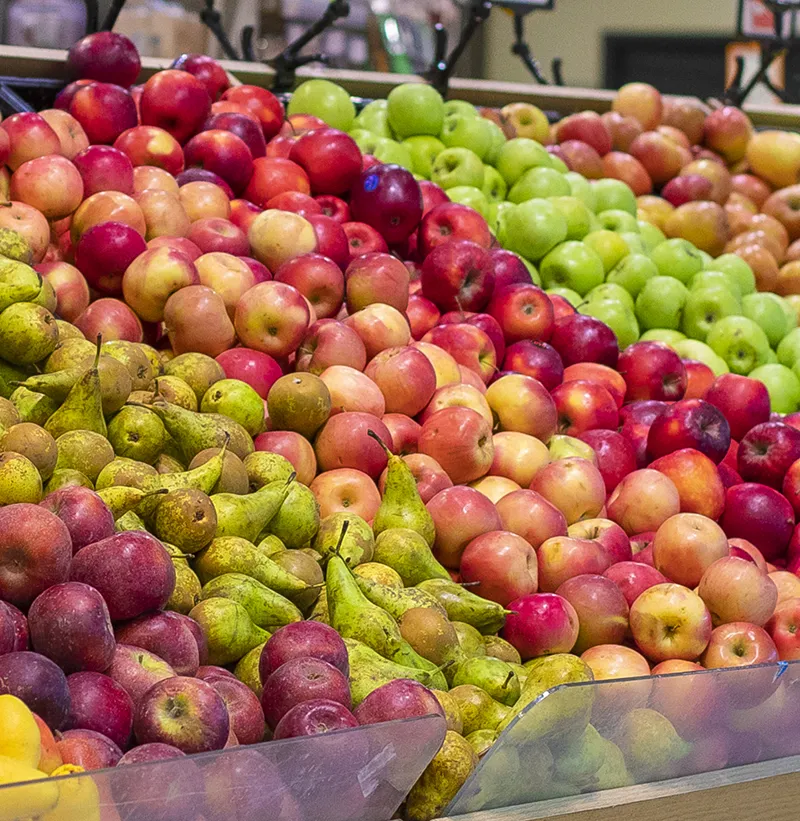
(610, 290)
(531, 229)
(789, 348)
(740, 342)
(772, 357)
(614, 194)
(582, 189)
(391, 151)
(558, 164)
(518, 155)
(424, 150)
(694, 349)
(791, 314)
(415, 108)
(536, 183)
(660, 303)
(498, 141)
(618, 316)
(737, 268)
(325, 100)
(457, 166)
(494, 211)
(677, 258)
(467, 131)
(374, 117)
(494, 186)
(651, 235)
(577, 215)
(665, 335)
(704, 279)
(704, 307)
(782, 384)
(766, 310)
(532, 270)
(460, 107)
(706, 257)
(468, 195)
(573, 297)
(365, 140)
(572, 265)
(632, 272)
(616, 220)
(633, 241)
(609, 245)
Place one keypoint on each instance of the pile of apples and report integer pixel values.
(629, 502)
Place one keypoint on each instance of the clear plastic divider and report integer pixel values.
(351, 775)
(587, 737)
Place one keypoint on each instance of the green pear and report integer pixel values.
(268, 609)
(430, 634)
(120, 500)
(127, 473)
(18, 282)
(232, 554)
(228, 629)
(233, 478)
(130, 521)
(247, 516)
(377, 572)
(452, 712)
(83, 407)
(492, 675)
(137, 433)
(580, 759)
(115, 382)
(19, 480)
(155, 360)
(482, 740)
(470, 640)
(9, 415)
(441, 779)
(369, 670)
(247, 671)
(264, 467)
(33, 407)
(397, 601)
(84, 450)
(28, 333)
(33, 442)
(199, 372)
(301, 565)
(186, 593)
(297, 521)
(320, 611)
(194, 432)
(401, 505)
(354, 616)
(461, 605)
(501, 649)
(135, 360)
(356, 547)
(62, 478)
(175, 390)
(652, 747)
(239, 401)
(271, 545)
(14, 246)
(186, 518)
(612, 773)
(479, 711)
(70, 354)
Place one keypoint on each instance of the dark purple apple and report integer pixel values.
(766, 452)
(244, 708)
(388, 198)
(401, 698)
(457, 275)
(40, 683)
(132, 570)
(174, 794)
(302, 679)
(69, 623)
(537, 359)
(137, 670)
(508, 268)
(185, 712)
(581, 338)
(21, 632)
(303, 639)
(209, 671)
(88, 749)
(241, 783)
(199, 637)
(8, 630)
(167, 635)
(85, 514)
(244, 127)
(101, 704)
(314, 717)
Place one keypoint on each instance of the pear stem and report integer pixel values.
(97, 351)
(508, 679)
(380, 441)
(338, 549)
(292, 477)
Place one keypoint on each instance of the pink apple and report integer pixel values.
(541, 624)
(503, 564)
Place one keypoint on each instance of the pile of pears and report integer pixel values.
(167, 443)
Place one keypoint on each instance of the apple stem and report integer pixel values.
(469, 584)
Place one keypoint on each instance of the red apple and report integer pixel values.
(686, 545)
(564, 557)
(691, 423)
(581, 338)
(503, 564)
(104, 111)
(344, 441)
(582, 405)
(176, 101)
(766, 452)
(615, 456)
(29, 136)
(697, 480)
(106, 56)
(104, 168)
(111, 319)
(739, 644)
(761, 515)
(783, 629)
(294, 447)
(405, 377)
(601, 607)
(210, 73)
(574, 486)
(105, 252)
(541, 624)
(633, 578)
(652, 371)
(261, 104)
(587, 126)
(643, 501)
(452, 221)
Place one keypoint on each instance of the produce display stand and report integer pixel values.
(352, 775)
(738, 754)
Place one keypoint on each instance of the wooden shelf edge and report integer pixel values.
(768, 791)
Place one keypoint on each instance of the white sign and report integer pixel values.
(758, 21)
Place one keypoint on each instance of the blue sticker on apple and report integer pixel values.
(371, 182)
